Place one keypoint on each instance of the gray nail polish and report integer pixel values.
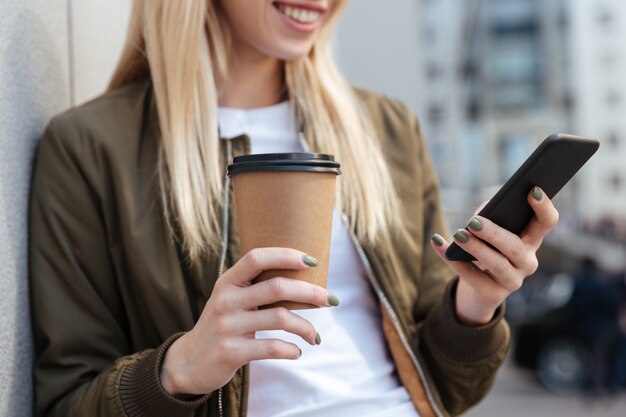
(437, 239)
(461, 235)
(309, 260)
(475, 224)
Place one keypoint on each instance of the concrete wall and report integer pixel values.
(53, 53)
(377, 48)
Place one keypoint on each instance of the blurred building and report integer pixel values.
(440, 96)
(598, 66)
(497, 76)
(503, 88)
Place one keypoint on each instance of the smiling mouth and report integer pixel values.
(298, 14)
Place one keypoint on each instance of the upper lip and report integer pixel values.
(317, 7)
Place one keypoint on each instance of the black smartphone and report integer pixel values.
(550, 167)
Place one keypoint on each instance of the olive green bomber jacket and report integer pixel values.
(110, 290)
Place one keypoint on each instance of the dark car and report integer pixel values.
(554, 349)
(566, 330)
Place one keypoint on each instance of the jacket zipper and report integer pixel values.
(220, 267)
(392, 315)
(225, 217)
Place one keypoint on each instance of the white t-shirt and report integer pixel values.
(351, 372)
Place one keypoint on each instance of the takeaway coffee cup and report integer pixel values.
(286, 200)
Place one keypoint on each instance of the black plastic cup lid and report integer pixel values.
(295, 161)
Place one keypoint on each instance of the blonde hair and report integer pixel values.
(182, 47)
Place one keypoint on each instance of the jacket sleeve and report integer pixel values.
(463, 360)
(83, 362)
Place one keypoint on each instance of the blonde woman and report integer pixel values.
(129, 238)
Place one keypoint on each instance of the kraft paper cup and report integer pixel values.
(286, 200)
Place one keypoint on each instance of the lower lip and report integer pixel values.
(298, 26)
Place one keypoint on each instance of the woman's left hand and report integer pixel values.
(486, 282)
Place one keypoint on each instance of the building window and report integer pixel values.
(613, 98)
(605, 18)
(435, 114)
(468, 70)
(568, 101)
(608, 60)
(429, 34)
(616, 182)
(472, 111)
(433, 71)
(563, 19)
(613, 141)
(513, 149)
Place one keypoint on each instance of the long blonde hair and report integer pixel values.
(182, 46)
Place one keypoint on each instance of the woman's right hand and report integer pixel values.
(223, 339)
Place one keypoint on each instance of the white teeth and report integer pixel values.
(300, 15)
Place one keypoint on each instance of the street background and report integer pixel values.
(517, 394)
(489, 80)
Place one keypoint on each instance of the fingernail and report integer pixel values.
(332, 299)
(309, 260)
(318, 339)
(300, 353)
(437, 239)
(537, 193)
(461, 235)
(475, 224)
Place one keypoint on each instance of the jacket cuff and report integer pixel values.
(462, 342)
(142, 394)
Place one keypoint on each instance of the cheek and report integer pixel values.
(244, 17)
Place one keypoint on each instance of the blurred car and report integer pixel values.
(546, 339)
(566, 330)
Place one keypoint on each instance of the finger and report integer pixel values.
(260, 259)
(507, 243)
(285, 289)
(546, 217)
(479, 265)
(278, 318)
(259, 349)
(467, 270)
(499, 267)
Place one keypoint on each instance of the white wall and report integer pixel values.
(99, 29)
(377, 47)
(48, 48)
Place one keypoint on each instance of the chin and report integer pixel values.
(293, 52)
